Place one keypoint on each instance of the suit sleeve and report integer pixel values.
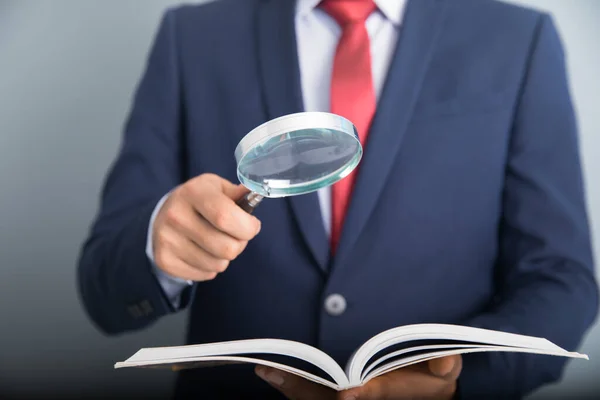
(116, 283)
(545, 278)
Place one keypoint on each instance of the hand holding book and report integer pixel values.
(433, 379)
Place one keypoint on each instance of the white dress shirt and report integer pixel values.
(317, 36)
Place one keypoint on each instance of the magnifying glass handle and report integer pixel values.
(249, 202)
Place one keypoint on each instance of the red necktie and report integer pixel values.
(352, 92)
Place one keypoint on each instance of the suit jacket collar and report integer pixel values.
(280, 79)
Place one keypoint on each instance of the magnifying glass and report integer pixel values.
(295, 154)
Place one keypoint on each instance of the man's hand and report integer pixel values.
(435, 379)
(200, 229)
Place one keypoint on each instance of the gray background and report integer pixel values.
(67, 72)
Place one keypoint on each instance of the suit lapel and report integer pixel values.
(420, 29)
(280, 80)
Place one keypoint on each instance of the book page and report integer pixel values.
(211, 361)
(443, 332)
(208, 351)
(387, 359)
(402, 363)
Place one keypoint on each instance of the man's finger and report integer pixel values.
(183, 270)
(204, 235)
(184, 219)
(417, 381)
(226, 216)
(382, 387)
(233, 191)
(292, 386)
(447, 368)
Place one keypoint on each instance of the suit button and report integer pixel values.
(335, 304)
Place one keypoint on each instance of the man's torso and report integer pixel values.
(422, 237)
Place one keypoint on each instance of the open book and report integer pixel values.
(389, 350)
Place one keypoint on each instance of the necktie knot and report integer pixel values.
(348, 11)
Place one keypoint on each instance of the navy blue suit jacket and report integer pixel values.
(469, 205)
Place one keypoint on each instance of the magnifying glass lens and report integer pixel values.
(298, 162)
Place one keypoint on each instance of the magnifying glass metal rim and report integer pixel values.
(288, 124)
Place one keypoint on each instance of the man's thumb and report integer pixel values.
(233, 191)
(445, 366)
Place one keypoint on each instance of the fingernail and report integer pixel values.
(275, 378)
(350, 397)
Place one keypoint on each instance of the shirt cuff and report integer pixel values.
(172, 286)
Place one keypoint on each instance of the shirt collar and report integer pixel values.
(393, 10)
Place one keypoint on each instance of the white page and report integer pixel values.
(236, 360)
(165, 355)
(430, 356)
(441, 332)
(397, 353)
